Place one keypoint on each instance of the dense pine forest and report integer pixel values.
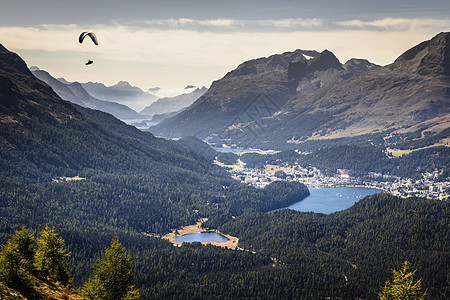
(348, 254)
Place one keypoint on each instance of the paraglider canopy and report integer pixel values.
(90, 34)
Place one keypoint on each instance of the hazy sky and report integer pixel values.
(174, 43)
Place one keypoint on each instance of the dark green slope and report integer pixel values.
(119, 127)
(188, 146)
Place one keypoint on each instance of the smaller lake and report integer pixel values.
(233, 150)
(201, 237)
(330, 200)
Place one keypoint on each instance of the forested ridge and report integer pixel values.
(140, 202)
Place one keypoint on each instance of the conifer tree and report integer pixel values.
(16, 258)
(113, 277)
(50, 258)
(25, 245)
(403, 286)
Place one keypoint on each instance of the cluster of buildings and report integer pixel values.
(427, 186)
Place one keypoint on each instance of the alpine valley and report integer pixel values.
(93, 177)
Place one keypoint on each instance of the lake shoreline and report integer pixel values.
(348, 185)
(232, 242)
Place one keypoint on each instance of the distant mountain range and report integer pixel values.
(101, 97)
(122, 92)
(297, 99)
(168, 105)
(75, 93)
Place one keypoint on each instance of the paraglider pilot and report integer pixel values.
(93, 38)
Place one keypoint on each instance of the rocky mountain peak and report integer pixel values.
(22, 94)
(324, 61)
(75, 93)
(429, 57)
(244, 69)
(411, 53)
(78, 89)
(273, 63)
(11, 62)
(321, 62)
(437, 60)
(355, 64)
(318, 97)
(123, 84)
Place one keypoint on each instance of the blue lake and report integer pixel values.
(232, 150)
(201, 237)
(330, 200)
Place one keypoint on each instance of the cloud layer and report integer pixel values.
(176, 52)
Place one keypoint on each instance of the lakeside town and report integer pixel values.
(426, 187)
